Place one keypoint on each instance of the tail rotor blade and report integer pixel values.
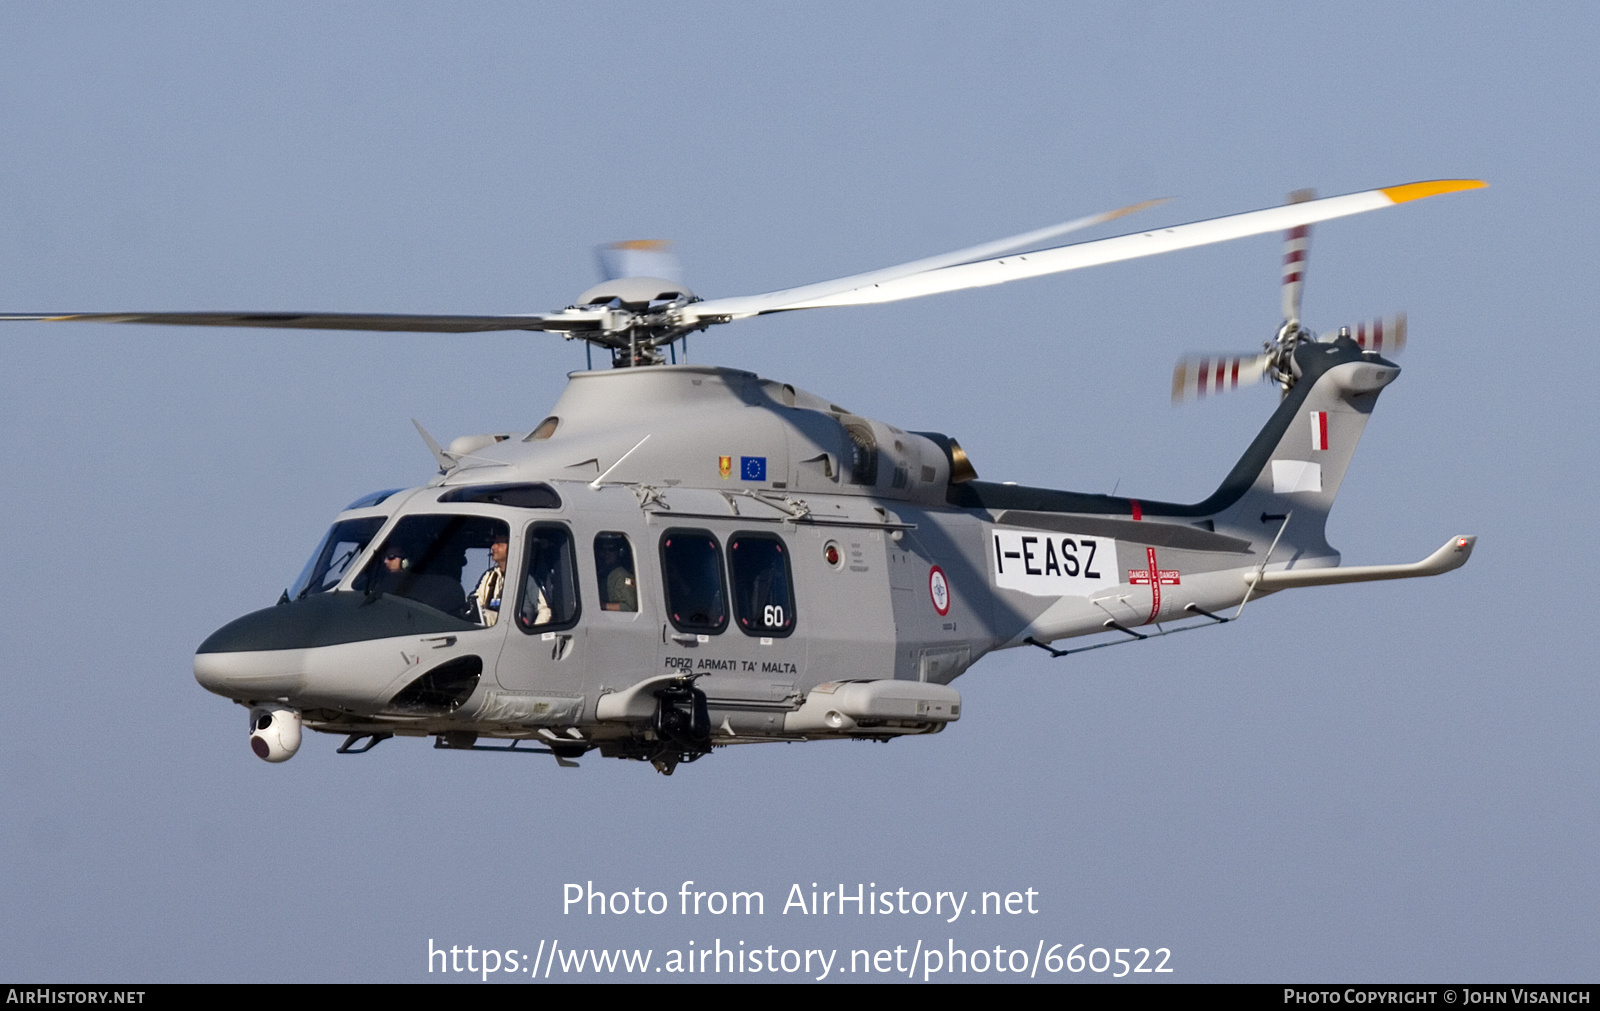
(1296, 243)
(1385, 335)
(1197, 376)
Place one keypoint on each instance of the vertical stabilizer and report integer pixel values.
(1294, 467)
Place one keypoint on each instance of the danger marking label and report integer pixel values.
(1154, 578)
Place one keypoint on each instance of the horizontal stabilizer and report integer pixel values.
(1453, 555)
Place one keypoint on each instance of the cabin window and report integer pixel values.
(763, 592)
(333, 557)
(373, 499)
(549, 580)
(691, 565)
(520, 496)
(615, 574)
(439, 561)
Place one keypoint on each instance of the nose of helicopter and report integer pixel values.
(251, 675)
(266, 653)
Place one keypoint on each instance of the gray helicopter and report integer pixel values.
(684, 556)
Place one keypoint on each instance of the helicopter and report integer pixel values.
(682, 557)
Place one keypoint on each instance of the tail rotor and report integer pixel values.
(1200, 375)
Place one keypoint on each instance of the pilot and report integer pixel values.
(397, 574)
(491, 587)
(394, 561)
(620, 592)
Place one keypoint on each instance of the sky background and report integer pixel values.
(1383, 782)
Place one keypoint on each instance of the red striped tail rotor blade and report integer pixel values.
(1296, 244)
(1197, 376)
(1386, 335)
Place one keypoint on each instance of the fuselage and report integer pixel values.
(814, 573)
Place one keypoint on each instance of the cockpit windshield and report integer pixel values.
(333, 556)
(454, 564)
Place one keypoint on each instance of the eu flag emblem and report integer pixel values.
(752, 468)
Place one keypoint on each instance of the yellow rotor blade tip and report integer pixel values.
(644, 244)
(1122, 212)
(1431, 188)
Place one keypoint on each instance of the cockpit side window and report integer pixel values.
(440, 561)
(332, 559)
(763, 593)
(549, 580)
(691, 564)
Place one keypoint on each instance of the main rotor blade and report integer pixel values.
(1084, 254)
(324, 320)
(782, 299)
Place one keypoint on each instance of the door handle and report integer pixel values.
(441, 641)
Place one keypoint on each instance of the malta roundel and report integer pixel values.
(939, 590)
